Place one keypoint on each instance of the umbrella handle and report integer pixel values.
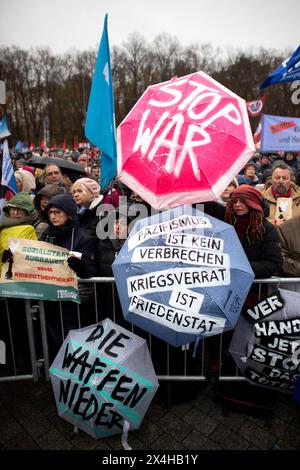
(75, 430)
(126, 427)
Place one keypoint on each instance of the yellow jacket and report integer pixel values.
(18, 231)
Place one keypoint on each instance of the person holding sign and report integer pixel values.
(17, 221)
(259, 238)
(64, 231)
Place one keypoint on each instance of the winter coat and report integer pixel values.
(264, 254)
(73, 238)
(88, 218)
(268, 195)
(109, 304)
(107, 252)
(242, 179)
(289, 233)
(17, 231)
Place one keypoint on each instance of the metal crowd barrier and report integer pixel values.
(171, 364)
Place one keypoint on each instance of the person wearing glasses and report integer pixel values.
(53, 175)
(64, 231)
(19, 216)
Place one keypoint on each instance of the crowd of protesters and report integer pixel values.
(66, 208)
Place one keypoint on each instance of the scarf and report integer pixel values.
(276, 195)
(241, 226)
(28, 219)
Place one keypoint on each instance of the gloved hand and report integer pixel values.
(75, 263)
(6, 256)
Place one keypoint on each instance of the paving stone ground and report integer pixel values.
(29, 420)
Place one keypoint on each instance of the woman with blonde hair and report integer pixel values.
(25, 181)
(86, 194)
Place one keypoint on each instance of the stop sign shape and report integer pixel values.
(184, 141)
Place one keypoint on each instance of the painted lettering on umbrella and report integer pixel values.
(96, 389)
(179, 277)
(179, 320)
(170, 133)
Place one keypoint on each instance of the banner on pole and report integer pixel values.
(280, 133)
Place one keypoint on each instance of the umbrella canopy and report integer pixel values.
(103, 377)
(184, 141)
(65, 165)
(266, 341)
(182, 275)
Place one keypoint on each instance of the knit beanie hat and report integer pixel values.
(251, 196)
(66, 203)
(22, 201)
(91, 185)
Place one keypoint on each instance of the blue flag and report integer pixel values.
(288, 71)
(8, 186)
(100, 119)
(19, 146)
(4, 132)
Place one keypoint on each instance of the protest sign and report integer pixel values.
(280, 133)
(103, 379)
(182, 275)
(39, 271)
(266, 341)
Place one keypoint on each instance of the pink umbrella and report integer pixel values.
(184, 141)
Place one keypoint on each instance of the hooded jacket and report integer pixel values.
(48, 191)
(22, 201)
(70, 236)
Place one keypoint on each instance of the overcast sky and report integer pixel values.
(66, 24)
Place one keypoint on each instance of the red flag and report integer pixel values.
(64, 145)
(257, 136)
(31, 147)
(256, 107)
(54, 147)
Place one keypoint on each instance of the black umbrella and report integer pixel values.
(66, 166)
